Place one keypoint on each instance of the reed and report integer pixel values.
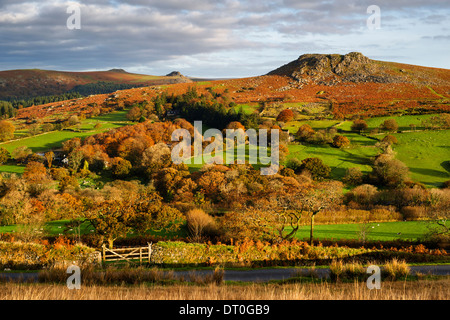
(397, 290)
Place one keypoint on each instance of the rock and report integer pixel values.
(174, 74)
(118, 70)
(330, 69)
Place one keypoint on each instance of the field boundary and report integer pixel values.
(129, 254)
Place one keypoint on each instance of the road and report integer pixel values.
(257, 275)
(264, 275)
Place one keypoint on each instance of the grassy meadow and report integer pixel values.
(391, 290)
(426, 153)
(54, 139)
(382, 231)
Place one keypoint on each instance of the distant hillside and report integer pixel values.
(344, 86)
(354, 67)
(25, 84)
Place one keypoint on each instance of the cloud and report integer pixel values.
(154, 34)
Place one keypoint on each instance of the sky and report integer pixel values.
(217, 39)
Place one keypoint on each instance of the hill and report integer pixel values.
(354, 67)
(344, 86)
(23, 84)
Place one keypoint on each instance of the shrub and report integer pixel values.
(359, 125)
(120, 167)
(389, 171)
(200, 224)
(6, 130)
(389, 125)
(316, 168)
(21, 153)
(413, 213)
(304, 132)
(390, 139)
(353, 176)
(396, 269)
(363, 194)
(294, 164)
(340, 141)
(346, 271)
(286, 115)
(4, 156)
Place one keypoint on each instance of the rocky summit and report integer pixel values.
(330, 69)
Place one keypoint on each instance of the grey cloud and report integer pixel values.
(154, 32)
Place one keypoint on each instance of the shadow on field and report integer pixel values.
(429, 172)
(446, 165)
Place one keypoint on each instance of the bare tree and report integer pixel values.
(323, 196)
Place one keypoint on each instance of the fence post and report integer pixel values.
(140, 255)
(149, 251)
(103, 253)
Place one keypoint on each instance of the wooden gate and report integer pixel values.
(132, 255)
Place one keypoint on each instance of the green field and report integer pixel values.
(194, 166)
(293, 126)
(426, 153)
(57, 228)
(383, 231)
(247, 108)
(339, 160)
(54, 139)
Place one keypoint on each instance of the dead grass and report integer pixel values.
(399, 290)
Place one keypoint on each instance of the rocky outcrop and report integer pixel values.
(331, 69)
(174, 74)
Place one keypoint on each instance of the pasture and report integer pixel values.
(382, 231)
(426, 153)
(54, 139)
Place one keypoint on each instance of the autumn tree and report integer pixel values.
(304, 132)
(68, 182)
(324, 195)
(340, 141)
(388, 171)
(150, 213)
(200, 224)
(4, 156)
(156, 157)
(134, 114)
(21, 153)
(113, 219)
(120, 167)
(389, 125)
(364, 194)
(73, 120)
(6, 130)
(35, 172)
(353, 176)
(36, 175)
(49, 157)
(210, 182)
(389, 139)
(285, 115)
(174, 183)
(110, 220)
(316, 168)
(359, 125)
(235, 125)
(72, 144)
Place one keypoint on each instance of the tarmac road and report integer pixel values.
(255, 275)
